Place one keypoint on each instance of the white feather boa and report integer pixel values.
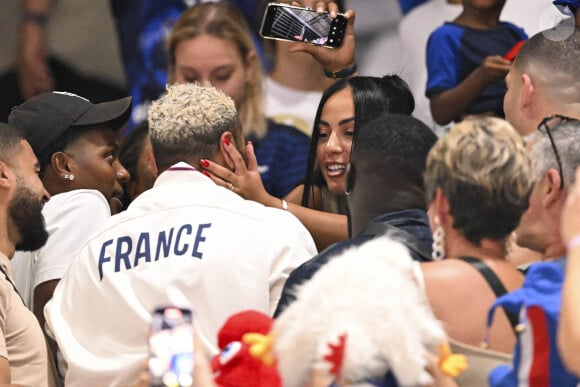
(371, 293)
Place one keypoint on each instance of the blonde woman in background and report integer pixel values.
(478, 181)
(211, 43)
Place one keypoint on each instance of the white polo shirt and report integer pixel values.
(224, 253)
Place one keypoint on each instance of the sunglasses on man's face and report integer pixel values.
(547, 126)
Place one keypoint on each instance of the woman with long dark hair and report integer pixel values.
(319, 203)
(369, 97)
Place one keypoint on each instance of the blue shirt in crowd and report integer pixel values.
(454, 52)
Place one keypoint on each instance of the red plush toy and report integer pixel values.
(237, 365)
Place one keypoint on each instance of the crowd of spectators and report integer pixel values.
(325, 226)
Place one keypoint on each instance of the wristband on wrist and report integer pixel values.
(284, 204)
(34, 17)
(344, 73)
(573, 243)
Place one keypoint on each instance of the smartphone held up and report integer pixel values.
(298, 24)
(171, 347)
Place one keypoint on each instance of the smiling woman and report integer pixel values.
(320, 203)
(344, 107)
(336, 130)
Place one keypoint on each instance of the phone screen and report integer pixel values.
(295, 24)
(171, 347)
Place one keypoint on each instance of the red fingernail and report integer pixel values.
(206, 173)
(226, 141)
(204, 163)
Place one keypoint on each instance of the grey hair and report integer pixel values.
(567, 139)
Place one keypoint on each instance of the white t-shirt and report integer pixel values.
(21, 340)
(290, 106)
(71, 218)
(186, 235)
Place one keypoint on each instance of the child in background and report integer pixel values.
(466, 62)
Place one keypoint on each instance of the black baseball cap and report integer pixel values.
(43, 119)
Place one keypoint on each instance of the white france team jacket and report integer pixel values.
(224, 253)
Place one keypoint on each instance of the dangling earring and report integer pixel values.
(349, 179)
(70, 177)
(438, 247)
(509, 245)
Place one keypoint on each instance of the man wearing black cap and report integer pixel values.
(76, 145)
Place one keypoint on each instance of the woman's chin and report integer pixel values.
(336, 189)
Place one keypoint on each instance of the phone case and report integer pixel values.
(171, 347)
(297, 24)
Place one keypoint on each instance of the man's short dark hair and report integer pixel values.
(396, 143)
(395, 147)
(10, 143)
(556, 50)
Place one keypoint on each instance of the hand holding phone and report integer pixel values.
(299, 24)
(171, 347)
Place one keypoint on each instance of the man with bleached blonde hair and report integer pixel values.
(186, 129)
(223, 253)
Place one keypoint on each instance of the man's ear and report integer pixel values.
(5, 176)
(550, 188)
(527, 92)
(61, 163)
(226, 137)
(151, 163)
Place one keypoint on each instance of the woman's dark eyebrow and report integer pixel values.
(346, 121)
(341, 122)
